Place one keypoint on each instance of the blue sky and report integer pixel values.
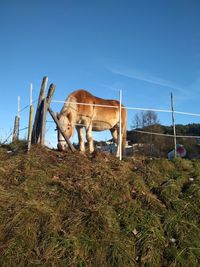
(146, 48)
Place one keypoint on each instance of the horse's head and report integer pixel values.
(68, 127)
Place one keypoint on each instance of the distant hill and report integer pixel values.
(189, 129)
(164, 144)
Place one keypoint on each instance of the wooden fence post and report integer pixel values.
(16, 123)
(16, 130)
(42, 122)
(61, 129)
(45, 105)
(36, 125)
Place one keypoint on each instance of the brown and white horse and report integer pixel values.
(92, 116)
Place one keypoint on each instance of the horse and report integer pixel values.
(84, 110)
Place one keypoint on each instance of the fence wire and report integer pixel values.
(130, 108)
(116, 107)
(140, 109)
(168, 135)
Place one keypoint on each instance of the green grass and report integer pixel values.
(64, 209)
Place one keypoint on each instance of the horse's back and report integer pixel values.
(100, 109)
(83, 96)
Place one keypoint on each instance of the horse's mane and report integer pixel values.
(69, 106)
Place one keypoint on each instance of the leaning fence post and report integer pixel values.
(45, 104)
(30, 119)
(61, 129)
(36, 125)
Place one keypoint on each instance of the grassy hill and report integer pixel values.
(64, 209)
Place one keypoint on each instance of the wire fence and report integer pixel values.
(150, 144)
(128, 108)
(167, 135)
(21, 130)
(138, 109)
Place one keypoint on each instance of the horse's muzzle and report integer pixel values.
(62, 146)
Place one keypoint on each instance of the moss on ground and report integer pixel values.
(64, 209)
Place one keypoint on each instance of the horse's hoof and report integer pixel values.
(93, 154)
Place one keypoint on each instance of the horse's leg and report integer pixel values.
(115, 136)
(89, 138)
(81, 139)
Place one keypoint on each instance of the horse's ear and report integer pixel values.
(69, 116)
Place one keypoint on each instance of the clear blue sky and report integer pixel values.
(147, 48)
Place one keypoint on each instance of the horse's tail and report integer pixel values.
(124, 132)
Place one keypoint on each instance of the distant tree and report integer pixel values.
(145, 118)
(148, 121)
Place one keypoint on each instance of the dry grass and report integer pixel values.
(63, 209)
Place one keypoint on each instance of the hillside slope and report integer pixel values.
(64, 209)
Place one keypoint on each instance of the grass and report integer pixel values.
(64, 209)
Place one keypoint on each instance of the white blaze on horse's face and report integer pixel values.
(66, 125)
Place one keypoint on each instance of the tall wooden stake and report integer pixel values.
(16, 130)
(173, 124)
(45, 105)
(36, 125)
(16, 123)
(42, 122)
